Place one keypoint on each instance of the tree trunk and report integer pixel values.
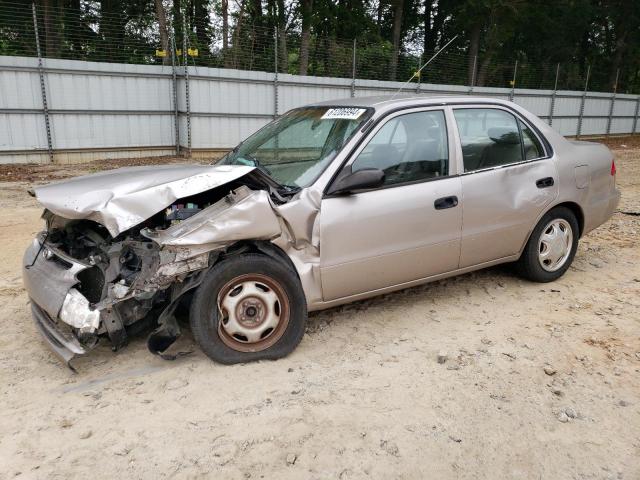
(483, 71)
(255, 12)
(74, 28)
(620, 49)
(325, 57)
(161, 16)
(200, 20)
(433, 22)
(396, 37)
(307, 11)
(225, 26)
(51, 34)
(429, 40)
(112, 25)
(379, 15)
(283, 61)
(474, 48)
(235, 47)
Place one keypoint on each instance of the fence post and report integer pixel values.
(43, 90)
(473, 75)
(187, 97)
(635, 118)
(613, 101)
(353, 70)
(513, 82)
(553, 96)
(584, 97)
(275, 74)
(174, 86)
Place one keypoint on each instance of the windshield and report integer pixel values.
(297, 147)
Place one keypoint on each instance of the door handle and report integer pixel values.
(545, 182)
(445, 202)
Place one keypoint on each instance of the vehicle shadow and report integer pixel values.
(446, 288)
(442, 292)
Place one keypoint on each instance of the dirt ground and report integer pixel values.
(540, 381)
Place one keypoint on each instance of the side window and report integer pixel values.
(532, 146)
(489, 138)
(408, 148)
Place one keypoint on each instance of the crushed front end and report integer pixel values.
(84, 284)
(121, 249)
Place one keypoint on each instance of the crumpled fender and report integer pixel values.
(247, 214)
(243, 214)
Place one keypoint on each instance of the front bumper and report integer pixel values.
(62, 343)
(49, 277)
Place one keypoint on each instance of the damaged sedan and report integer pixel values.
(328, 204)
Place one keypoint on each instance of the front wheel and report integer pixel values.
(551, 247)
(249, 307)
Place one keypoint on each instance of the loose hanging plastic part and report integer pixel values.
(417, 74)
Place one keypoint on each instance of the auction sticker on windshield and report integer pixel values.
(346, 113)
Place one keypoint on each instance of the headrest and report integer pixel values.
(504, 135)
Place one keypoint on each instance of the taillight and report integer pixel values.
(613, 168)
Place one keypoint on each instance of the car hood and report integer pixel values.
(120, 199)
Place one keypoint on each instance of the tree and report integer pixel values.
(50, 11)
(201, 29)
(434, 16)
(316, 36)
(225, 25)
(398, 5)
(306, 11)
(622, 21)
(283, 53)
(161, 17)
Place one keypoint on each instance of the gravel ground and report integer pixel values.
(536, 381)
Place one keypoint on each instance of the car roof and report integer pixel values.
(384, 102)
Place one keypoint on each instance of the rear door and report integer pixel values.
(509, 179)
(404, 230)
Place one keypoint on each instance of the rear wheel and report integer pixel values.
(249, 307)
(551, 247)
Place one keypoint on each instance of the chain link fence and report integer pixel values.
(138, 34)
(146, 94)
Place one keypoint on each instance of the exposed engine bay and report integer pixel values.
(119, 281)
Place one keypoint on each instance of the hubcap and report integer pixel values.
(254, 312)
(555, 245)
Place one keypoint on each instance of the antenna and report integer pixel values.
(420, 70)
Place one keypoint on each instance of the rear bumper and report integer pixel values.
(601, 211)
(62, 342)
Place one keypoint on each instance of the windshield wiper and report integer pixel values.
(290, 188)
(257, 164)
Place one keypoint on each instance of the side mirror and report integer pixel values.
(358, 180)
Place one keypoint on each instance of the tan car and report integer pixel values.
(331, 203)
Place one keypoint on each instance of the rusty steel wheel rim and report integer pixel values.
(253, 312)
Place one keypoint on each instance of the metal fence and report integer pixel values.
(70, 111)
(64, 98)
(179, 32)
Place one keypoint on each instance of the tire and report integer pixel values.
(265, 297)
(530, 264)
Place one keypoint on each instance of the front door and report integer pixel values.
(406, 230)
(508, 182)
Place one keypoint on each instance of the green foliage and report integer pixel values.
(493, 34)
